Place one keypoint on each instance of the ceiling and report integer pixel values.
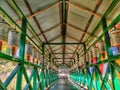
(62, 21)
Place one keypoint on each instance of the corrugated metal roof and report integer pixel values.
(45, 17)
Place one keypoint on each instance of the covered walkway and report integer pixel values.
(46, 42)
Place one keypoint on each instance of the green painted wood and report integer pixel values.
(13, 59)
(35, 79)
(21, 54)
(2, 86)
(27, 78)
(42, 72)
(106, 37)
(30, 78)
(11, 76)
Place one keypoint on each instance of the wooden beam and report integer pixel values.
(72, 46)
(57, 49)
(39, 12)
(54, 38)
(88, 24)
(62, 61)
(54, 46)
(76, 28)
(37, 23)
(72, 37)
(69, 49)
(50, 29)
(85, 10)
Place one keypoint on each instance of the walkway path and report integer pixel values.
(64, 84)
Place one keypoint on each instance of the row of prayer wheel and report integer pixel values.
(98, 51)
(99, 48)
(10, 38)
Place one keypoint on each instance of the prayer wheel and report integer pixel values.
(87, 57)
(34, 55)
(13, 40)
(3, 35)
(90, 56)
(38, 59)
(94, 52)
(101, 48)
(115, 36)
(28, 52)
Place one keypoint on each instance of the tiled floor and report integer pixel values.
(64, 84)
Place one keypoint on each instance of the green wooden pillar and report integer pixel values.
(43, 67)
(21, 53)
(49, 69)
(85, 61)
(106, 36)
(35, 79)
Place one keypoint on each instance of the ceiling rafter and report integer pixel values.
(57, 49)
(72, 46)
(36, 21)
(76, 28)
(69, 36)
(85, 9)
(69, 49)
(39, 12)
(62, 61)
(68, 55)
(50, 29)
(54, 38)
(88, 24)
(54, 46)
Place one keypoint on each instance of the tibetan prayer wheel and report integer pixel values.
(101, 47)
(95, 53)
(87, 57)
(90, 56)
(13, 40)
(34, 55)
(28, 49)
(38, 59)
(115, 36)
(28, 52)
(3, 35)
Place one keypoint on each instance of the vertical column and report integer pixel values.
(21, 53)
(78, 59)
(43, 77)
(35, 79)
(107, 44)
(85, 61)
(106, 36)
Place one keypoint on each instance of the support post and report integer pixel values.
(78, 59)
(106, 36)
(85, 61)
(43, 67)
(21, 53)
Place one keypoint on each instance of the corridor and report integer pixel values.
(64, 84)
